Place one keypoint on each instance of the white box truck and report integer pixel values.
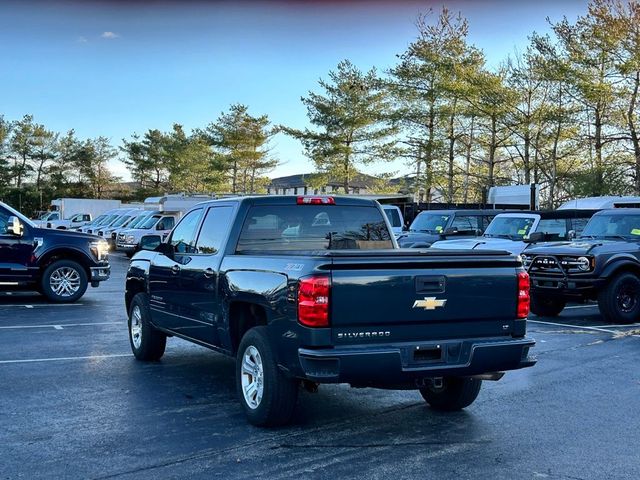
(76, 212)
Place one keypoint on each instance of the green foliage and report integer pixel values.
(351, 124)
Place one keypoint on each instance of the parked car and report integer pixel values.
(128, 241)
(396, 220)
(336, 302)
(41, 222)
(603, 264)
(133, 222)
(433, 225)
(514, 232)
(60, 264)
(123, 219)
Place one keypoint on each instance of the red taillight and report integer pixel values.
(313, 301)
(524, 299)
(316, 201)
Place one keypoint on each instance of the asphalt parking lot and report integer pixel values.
(75, 404)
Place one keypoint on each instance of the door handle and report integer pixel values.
(175, 269)
(208, 272)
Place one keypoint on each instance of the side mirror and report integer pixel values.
(535, 237)
(150, 242)
(571, 235)
(450, 230)
(15, 227)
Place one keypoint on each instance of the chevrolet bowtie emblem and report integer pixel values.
(429, 303)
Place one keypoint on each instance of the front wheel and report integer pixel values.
(267, 395)
(64, 281)
(455, 393)
(547, 306)
(619, 301)
(147, 343)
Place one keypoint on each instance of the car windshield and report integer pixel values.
(106, 220)
(512, 228)
(151, 221)
(429, 222)
(613, 226)
(121, 221)
(97, 220)
(135, 221)
(313, 227)
(22, 218)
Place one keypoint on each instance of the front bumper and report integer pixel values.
(100, 274)
(127, 247)
(565, 285)
(407, 364)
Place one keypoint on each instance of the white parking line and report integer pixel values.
(60, 359)
(58, 326)
(38, 305)
(597, 329)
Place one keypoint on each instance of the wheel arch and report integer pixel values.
(65, 253)
(243, 316)
(618, 266)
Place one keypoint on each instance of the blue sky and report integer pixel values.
(114, 68)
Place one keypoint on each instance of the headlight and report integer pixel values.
(583, 264)
(100, 249)
(130, 239)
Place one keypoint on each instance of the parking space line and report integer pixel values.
(597, 329)
(25, 305)
(58, 326)
(60, 359)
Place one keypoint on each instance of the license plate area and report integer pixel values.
(427, 354)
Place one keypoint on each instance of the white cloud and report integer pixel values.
(110, 35)
(82, 40)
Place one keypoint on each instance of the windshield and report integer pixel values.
(97, 220)
(513, 228)
(429, 222)
(150, 222)
(613, 226)
(121, 221)
(313, 227)
(136, 220)
(22, 218)
(106, 220)
(49, 216)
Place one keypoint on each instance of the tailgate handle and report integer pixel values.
(434, 284)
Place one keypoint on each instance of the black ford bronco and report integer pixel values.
(602, 264)
(60, 264)
(310, 290)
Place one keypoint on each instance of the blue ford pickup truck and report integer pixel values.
(310, 290)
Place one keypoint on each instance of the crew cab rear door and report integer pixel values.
(427, 294)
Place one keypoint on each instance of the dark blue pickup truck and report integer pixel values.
(310, 290)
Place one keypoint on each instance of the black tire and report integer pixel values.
(547, 306)
(279, 392)
(619, 301)
(54, 276)
(151, 343)
(456, 393)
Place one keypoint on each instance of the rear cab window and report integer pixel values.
(285, 228)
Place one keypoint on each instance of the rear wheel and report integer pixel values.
(455, 393)
(547, 306)
(619, 301)
(64, 281)
(147, 343)
(267, 395)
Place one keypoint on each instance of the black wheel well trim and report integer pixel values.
(66, 253)
(242, 316)
(615, 267)
(133, 286)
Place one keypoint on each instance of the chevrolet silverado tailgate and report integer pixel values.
(448, 293)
